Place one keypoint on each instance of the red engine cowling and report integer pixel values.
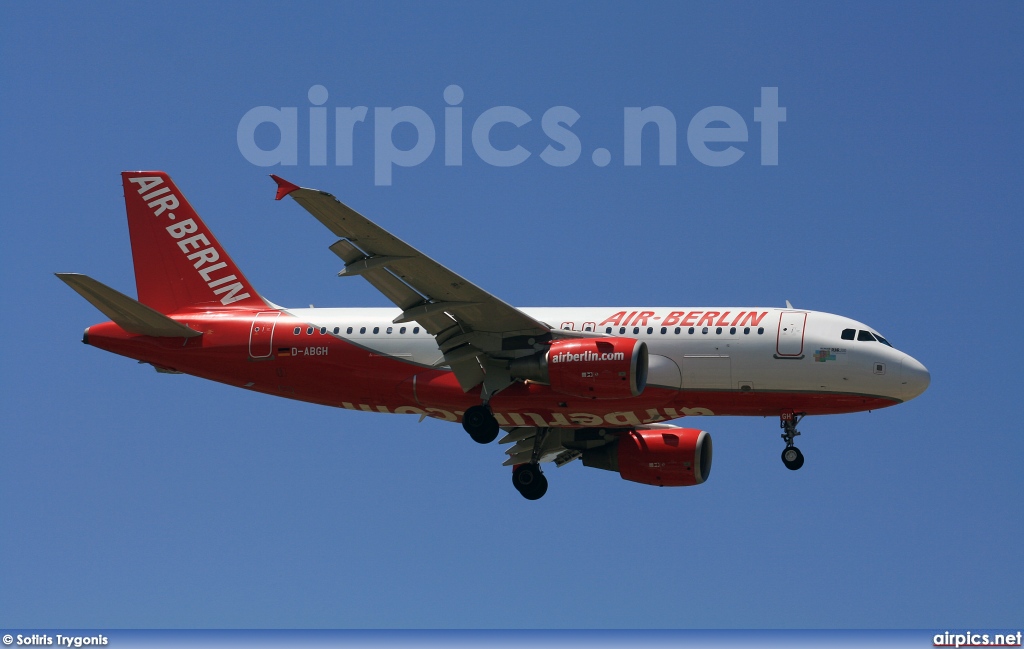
(595, 368)
(676, 457)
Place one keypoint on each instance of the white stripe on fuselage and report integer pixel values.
(726, 357)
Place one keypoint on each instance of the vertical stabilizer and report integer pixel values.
(178, 261)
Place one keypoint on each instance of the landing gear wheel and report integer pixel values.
(791, 455)
(480, 424)
(529, 481)
(792, 458)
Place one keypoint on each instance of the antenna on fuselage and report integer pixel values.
(788, 305)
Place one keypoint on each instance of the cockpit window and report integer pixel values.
(849, 334)
(883, 340)
(865, 336)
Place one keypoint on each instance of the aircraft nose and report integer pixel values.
(914, 378)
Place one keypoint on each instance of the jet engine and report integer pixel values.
(666, 457)
(594, 368)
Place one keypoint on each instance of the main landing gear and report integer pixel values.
(480, 424)
(527, 478)
(529, 481)
(791, 455)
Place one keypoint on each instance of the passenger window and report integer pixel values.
(362, 330)
(732, 331)
(622, 330)
(337, 330)
(704, 330)
(848, 334)
(636, 330)
(349, 330)
(376, 330)
(690, 331)
(607, 330)
(390, 329)
(309, 331)
(664, 330)
(323, 330)
(402, 330)
(415, 330)
(746, 330)
(678, 330)
(760, 330)
(865, 336)
(718, 331)
(298, 330)
(650, 330)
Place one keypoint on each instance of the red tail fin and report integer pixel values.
(178, 261)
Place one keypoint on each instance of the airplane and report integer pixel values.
(595, 384)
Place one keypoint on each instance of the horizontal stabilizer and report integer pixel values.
(131, 315)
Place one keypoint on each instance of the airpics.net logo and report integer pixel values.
(714, 135)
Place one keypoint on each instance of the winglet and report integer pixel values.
(283, 187)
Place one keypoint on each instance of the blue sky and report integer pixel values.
(132, 499)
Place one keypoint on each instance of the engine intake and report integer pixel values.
(594, 368)
(677, 457)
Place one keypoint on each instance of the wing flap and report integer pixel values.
(393, 288)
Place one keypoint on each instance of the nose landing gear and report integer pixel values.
(792, 458)
(791, 455)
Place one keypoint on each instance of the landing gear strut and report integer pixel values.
(480, 424)
(791, 455)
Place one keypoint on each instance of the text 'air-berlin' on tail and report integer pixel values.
(178, 261)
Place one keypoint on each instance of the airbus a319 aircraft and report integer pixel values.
(594, 384)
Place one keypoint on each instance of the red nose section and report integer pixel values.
(283, 187)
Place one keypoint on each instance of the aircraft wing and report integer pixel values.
(474, 329)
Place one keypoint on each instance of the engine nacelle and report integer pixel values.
(669, 457)
(594, 368)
